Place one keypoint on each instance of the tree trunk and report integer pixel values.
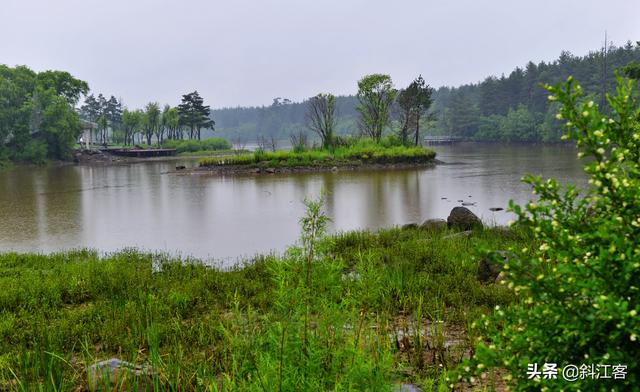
(417, 128)
(404, 131)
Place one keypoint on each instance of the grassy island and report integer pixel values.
(362, 152)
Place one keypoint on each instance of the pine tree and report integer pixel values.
(414, 101)
(194, 114)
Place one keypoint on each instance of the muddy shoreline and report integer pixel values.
(258, 169)
(102, 158)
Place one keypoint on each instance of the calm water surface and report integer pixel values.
(222, 218)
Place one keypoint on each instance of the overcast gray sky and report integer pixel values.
(241, 52)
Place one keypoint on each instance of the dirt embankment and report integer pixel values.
(98, 158)
(263, 169)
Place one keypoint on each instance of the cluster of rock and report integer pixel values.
(460, 218)
(465, 221)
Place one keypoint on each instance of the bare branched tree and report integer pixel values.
(273, 143)
(262, 143)
(239, 143)
(321, 117)
(299, 141)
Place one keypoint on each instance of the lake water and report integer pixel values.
(222, 218)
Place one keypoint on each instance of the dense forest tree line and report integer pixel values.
(38, 119)
(511, 107)
(37, 116)
(515, 107)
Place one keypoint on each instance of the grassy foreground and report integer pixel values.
(362, 152)
(371, 310)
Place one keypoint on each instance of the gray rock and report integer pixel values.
(351, 275)
(270, 170)
(462, 218)
(406, 388)
(489, 270)
(411, 225)
(105, 375)
(334, 169)
(434, 224)
(494, 209)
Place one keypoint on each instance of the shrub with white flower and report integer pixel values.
(578, 289)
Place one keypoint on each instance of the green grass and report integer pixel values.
(362, 152)
(241, 328)
(207, 153)
(193, 146)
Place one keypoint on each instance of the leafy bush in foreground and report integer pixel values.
(579, 300)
